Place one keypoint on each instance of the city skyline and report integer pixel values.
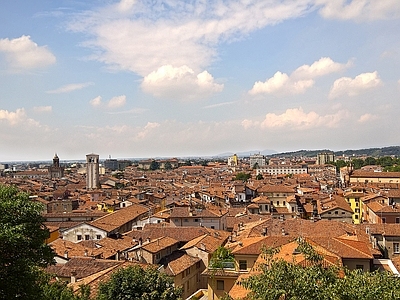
(178, 79)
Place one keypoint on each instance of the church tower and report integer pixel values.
(55, 171)
(56, 161)
(92, 171)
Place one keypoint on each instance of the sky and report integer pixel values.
(170, 78)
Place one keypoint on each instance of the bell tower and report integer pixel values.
(92, 171)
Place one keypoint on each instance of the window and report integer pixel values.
(277, 203)
(243, 265)
(396, 247)
(187, 271)
(185, 220)
(284, 202)
(220, 285)
(87, 237)
(79, 237)
(336, 212)
(360, 267)
(357, 204)
(357, 210)
(397, 220)
(383, 220)
(198, 265)
(196, 220)
(356, 217)
(98, 237)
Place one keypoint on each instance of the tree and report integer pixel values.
(168, 166)
(242, 176)
(138, 283)
(23, 251)
(259, 176)
(220, 257)
(55, 289)
(357, 163)
(154, 165)
(282, 280)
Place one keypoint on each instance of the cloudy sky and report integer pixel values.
(147, 78)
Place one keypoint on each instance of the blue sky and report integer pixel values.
(194, 78)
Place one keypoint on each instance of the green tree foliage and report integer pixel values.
(54, 289)
(220, 257)
(388, 163)
(340, 164)
(139, 284)
(168, 166)
(259, 176)
(23, 251)
(242, 176)
(154, 165)
(282, 280)
(392, 169)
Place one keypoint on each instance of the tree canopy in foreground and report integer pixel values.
(138, 283)
(23, 251)
(282, 280)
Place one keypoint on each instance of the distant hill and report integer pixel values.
(266, 152)
(373, 152)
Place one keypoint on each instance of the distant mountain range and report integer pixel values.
(373, 152)
(248, 153)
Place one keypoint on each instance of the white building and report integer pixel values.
(283, 169)
(257, 159)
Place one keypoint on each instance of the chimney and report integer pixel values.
(73, 277)
(264, 231)
(66, 254)
(86, 252)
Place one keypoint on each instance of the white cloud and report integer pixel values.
(147, 129)
(359, 9)
(367, 118)
(125, 5)
(114, 102)
(321, 67)
(353, 87)
(220, 104)
(22, 53)
(70, 87)
(300, 80)
(180, 83)
(117, 101)
(175, 33)
(17, 119)
(42, 109)
(11, 117)
(96, 102)
(296, 118)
